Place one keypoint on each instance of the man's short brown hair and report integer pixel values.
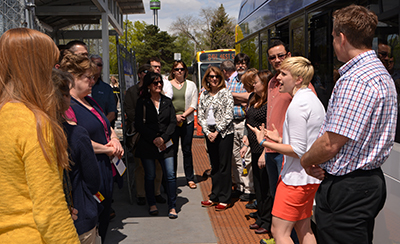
(357, 23)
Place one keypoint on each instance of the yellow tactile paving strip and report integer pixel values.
(232, 225)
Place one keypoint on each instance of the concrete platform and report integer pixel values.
(133, 224)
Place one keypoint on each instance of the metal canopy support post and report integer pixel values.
(105, 46)
(29, 13)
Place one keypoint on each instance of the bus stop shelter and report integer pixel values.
(51, 16)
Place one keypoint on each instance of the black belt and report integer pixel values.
(355, 173)
(212, 128)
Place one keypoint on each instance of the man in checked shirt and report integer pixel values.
(356, 136)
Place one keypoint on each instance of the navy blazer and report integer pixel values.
(160, 124)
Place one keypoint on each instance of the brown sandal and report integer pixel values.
(192, 185)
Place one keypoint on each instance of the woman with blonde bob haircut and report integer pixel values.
(296, 189)
(33, 145)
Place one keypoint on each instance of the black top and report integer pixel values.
(255, 117)
(156, 125)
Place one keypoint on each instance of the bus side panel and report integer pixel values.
(387, 224)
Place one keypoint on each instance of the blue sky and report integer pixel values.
(171, 9)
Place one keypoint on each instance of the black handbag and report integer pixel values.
(132, 135)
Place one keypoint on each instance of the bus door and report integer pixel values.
(321, 55)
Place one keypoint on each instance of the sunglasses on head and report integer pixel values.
(214, 76)
(179, 69)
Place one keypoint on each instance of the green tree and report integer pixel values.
(159, 44)
(135, 32)
(185, 46)
(213, 28)
(222, 30)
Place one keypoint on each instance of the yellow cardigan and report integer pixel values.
(32, 203)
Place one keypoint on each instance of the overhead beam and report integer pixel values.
(66, 10)
(136, 5)
(84, 34)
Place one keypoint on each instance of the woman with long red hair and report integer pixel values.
(33, 147)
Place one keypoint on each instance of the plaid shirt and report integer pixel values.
(362, 108)
(237, 87)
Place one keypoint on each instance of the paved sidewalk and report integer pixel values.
(133, 224)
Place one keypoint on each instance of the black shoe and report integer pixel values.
(141, 201)
(236, 194)
(253, 215)
(160, 199)
(207, 173)
(251, 205)
(246, 197)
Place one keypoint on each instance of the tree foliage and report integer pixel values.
(131, 40)
(146, 41)
(159, 44)
(213, 29)
(222, 30)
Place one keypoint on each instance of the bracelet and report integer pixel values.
(261, 143)
(115, 138)
(245, 145)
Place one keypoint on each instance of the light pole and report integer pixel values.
(155, 5)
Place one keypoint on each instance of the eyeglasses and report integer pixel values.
(157, 82)
(279, 56)
(383, 54)
(214, 76)
(156, 66)
(99, 64)
(179, 69)
(145, 71)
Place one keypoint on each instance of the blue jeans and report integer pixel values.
(185, 132)
(149, 166)
(273, 163)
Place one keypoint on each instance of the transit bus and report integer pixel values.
(206, 58)
(306, 26)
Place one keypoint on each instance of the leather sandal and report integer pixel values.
(192, 185)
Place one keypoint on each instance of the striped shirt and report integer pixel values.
(362, 108)
(236, 86)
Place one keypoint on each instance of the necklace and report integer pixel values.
(180, 84)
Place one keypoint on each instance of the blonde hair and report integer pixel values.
(26, 59)
(299, 67)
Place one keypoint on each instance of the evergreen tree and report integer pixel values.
(159, 44)
(222, 33)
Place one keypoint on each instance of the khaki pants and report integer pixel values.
(90, 237)
(243, 182)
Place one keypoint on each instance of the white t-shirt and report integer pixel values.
(303, 120)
